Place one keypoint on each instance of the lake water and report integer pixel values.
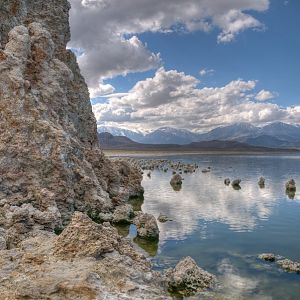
(225, 229)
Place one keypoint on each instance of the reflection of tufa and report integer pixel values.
(261, 182)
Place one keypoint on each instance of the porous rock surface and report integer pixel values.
(187, 278)
(51, 164)
(291, 185)
(87, 261)
(146, 226)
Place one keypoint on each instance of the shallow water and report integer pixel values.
(225, 229)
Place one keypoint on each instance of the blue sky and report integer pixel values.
(271, 56)
(264, 49)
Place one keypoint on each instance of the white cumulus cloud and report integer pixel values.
(205, 72)
(101, 90)
(172, 98)
(264, 95)
(108, 30)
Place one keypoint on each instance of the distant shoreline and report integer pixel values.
(156, 152)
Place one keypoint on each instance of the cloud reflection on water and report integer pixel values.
(204, 198)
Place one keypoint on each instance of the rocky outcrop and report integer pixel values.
(123, 214)
(51, 164)
(186, 279)
(87, 261)
(146, 226)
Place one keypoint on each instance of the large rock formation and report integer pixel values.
(50, 161)
(52, 171)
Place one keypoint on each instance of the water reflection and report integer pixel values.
(235, 284)
(204, 197)
(291, 194)
(136, 202)
(151, 247)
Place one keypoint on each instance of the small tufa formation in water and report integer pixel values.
(284, 263)
(290, 186)
(163, 218)
(290, 189)
(176, 182)
(146, 226)
(261, 182)
(226, 181)
(163, 165)
(187, 279)
(236, 184)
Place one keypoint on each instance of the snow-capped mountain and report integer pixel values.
(235, 131)
(282, 131)
(115, 131)
(168, 135)
(277, 135)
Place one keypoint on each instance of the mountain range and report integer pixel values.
(111, 142)
(274, 135)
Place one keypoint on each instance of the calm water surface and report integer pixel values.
(225, 229)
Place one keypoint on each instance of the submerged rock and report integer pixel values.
(289, 265)
(146, 226)
(187, 278)
(284, 263)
